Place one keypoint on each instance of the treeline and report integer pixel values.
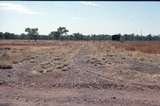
(61, 34)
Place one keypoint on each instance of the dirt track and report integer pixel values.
(82, 84)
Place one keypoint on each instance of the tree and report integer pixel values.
(23, 36)
(6, 35)
(116, 37)
(62, 30)
(32, 33)
(54, 35)
(78, 36)
(149, 37)
(1, 35)
(59, 33)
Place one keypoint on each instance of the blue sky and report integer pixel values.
(84, 17)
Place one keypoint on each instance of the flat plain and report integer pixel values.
(79, 73)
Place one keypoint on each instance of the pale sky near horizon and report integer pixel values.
(81, 16)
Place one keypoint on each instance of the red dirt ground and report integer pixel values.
(79, 73)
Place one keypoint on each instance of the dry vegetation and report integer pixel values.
(151, 47)
(93, 65)
(5, 59)
(138, 61)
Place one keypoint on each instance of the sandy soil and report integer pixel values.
(79, 74)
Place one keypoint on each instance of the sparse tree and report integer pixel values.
(32, 33)
(54, 35)
(78, 36)
(1, 35)
(58, 34)
(62, 30)
(116, 37)
(149, 37)
(23, 36)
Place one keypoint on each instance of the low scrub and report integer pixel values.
(5, 62)
(5, 65)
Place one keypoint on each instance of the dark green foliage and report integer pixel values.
(57, 35)
(62, 30)
(78, 36)
(149, 37)
(2, 35)
(32, 33)
(61, 34)
(8, 35)
(54, 35)
(116, 37)
(23, 36)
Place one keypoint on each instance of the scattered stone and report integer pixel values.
(2, 82)
(14, 62)
(41, 71)
(109, 63)
(32, 57)
(141, 59)
(32, 61)
(111, 55)
(65, 65)
(92, 62)
(93, 58)
(99, 63)
(8, 75)
(59, 67)
(106, 62)
(57, 58)
(103, 58)
(64, 69)
(35, 72)
(113, 97)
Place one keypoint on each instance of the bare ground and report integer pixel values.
(111, 79)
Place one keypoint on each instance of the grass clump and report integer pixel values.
(5, 65)
(5, 62)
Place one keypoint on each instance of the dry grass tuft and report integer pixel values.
(5, 65)
(5, 61)
(151, 47)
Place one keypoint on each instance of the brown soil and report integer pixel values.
(79, 74)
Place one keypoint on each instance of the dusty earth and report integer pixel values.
(78, 73)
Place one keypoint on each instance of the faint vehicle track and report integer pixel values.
(84, 84)
(85, 75)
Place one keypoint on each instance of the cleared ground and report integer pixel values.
(79, 73)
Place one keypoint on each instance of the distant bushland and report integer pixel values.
(61, 34)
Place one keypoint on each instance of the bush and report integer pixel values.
(5, 65)
(5, 61)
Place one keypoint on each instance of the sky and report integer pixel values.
(81, 16)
